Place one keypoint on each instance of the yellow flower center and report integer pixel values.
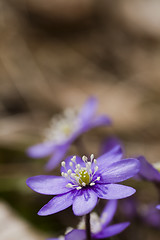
(84, 177)
(62, 126)
(66, 129)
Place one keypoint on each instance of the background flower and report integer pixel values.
(100, 226)
(148, 171)
(65, 130)
(135, 211)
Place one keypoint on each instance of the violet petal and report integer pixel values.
(112, 230)
(147, 171)
(120, 171)
(50, 185)
(115, 154)
(100, 121)
(109, 144)
(88, 110)
(76, 234)
(84, 202)
(108, 212)
(41, 150)
(57, 204)
(114, 191)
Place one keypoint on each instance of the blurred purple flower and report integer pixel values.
(148, 171)
(64, 131)
(100, 227)
(85, 180)
(110, 143)
(137, 211)
(129, 207)
(150, 215)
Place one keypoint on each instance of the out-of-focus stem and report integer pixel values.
(88, 226)
(157, 184)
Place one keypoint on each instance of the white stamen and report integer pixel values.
(63, 164)
(96, 169)
(92, 184)
(78, 188)
(84, 158)
(70, 164)
(77, 178)
(78, 166)
(69, 172)
(88, 165)
(73, 175)
(69, 185)
(95, 161)
(92, 157)
(76, 170)
(73, 159)
(98, 178)
(65, 175)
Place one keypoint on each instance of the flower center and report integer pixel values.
(62, 126)
(66, 129)
(81, 175)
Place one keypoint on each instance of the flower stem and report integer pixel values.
(157, 184)
(88, 226)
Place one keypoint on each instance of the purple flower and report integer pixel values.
(146, 213)
(65, 130)
(85, 180)
(148, 171)
(150, 215)
(100, 227)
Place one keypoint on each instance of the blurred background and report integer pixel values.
(53, 55)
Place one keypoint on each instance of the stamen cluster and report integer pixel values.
(62, 126)
(81, 176)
